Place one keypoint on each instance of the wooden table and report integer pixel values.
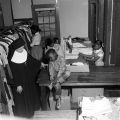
(97, 77)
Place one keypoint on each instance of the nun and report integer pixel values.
(24, 70)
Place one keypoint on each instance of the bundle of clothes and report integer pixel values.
(99, 108)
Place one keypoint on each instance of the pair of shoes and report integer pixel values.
(58, 103)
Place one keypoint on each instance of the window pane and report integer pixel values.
(42, 34)
(46, 13)
(41, 27)
(46, 19)
(52, 26)
(40, 20)
(39, 14)
(46, 26)
(52, 19)
(52, 13)
(53, 34)
(47, 34)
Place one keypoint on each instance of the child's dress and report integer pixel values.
(58, 68)
(100, 54)
(59, 50)
(36, 39)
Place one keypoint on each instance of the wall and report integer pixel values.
(73, 14)
(1, 18)
(73, 17)
(7, 13)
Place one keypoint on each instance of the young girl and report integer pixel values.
(54, 44)
(97, 55)
(58, 74)
(36, 48)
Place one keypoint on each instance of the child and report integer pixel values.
(49, 43)
(54, 44)
(97, 55)
(35, 30)
(36, 48)
(58, 74)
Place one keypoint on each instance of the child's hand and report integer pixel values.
(43, 65)
(57, 85)
(80, 54)
(50, 86)
(19, 89)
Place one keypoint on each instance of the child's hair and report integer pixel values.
(49, 42)
(56, 40)
(50, 51)
(34, 29)
(98, 42)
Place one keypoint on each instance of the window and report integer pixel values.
(46, 17)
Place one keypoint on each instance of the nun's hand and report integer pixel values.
(19, 89)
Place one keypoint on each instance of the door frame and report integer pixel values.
(108, 31)
(92, 17)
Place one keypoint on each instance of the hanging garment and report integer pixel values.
(6, 94)
(3, 99)
(23, 35)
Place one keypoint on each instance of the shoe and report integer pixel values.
(58, 103)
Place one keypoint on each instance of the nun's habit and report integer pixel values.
(24, 69)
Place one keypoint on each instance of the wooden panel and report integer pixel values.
(7, 12)
(100, 21)
(115, 48)
(107, 29)
(92, 20)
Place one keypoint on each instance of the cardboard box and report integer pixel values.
(86, 92)
(65, 103)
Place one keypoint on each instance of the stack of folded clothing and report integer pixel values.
(96, 108)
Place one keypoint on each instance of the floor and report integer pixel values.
(55, 115)
(69, 114)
